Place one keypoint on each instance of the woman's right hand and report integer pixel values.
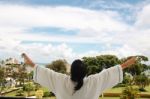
(27, 60)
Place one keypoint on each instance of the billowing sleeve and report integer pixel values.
(107, 78)
(46, 77)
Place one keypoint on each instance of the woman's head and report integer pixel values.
(78, 72)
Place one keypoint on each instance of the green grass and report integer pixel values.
(112, 90)
(11, 94)
(119, 90)
(99, 98)
(147, 89)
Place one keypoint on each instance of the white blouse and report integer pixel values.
(63, 88)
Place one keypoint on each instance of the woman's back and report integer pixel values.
(63, 87)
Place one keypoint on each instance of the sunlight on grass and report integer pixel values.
(113, 90)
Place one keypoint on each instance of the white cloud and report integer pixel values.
(105, 27)
(143, 17)
(39, 52)
(62, 17)
(15, 20)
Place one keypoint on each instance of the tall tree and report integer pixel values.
(98, 63)
(2, 79)
(58, 66)
(139, 67)
(92, 65)
(23, 75)
(142, 81)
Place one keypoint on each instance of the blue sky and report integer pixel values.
(68, 29)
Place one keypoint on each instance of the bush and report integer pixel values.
(52, 94)
(119, 85)
(129, 93)
(142, 90)
(47, 94)
(29, 87)
(20, 92)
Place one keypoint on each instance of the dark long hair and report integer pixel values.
(78, 72)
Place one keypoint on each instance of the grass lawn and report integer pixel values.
(99, 98)
(147, 89)
(119, 90)
(113, 90)
(11, 94)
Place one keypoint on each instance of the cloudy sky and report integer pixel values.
(52, 29)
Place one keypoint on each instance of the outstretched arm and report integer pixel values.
(44, 76)
(111, 76)
(129, 62)
(27, 60)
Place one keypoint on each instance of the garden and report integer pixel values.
(136, 82)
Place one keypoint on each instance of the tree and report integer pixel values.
(30, 76)
(127, 79)
(28, 88)
(108, 61)
(130, 93)
(22, 74)
(142, 81)
(98, 63)
(92, 65)
(2, 79)
(58, 66)
(137, 68)
(137, 71)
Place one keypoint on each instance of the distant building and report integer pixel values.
(10, 82)
(11, 61)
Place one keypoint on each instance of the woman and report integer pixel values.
(77, 85)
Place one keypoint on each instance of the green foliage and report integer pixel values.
(98, 63)
(58, 66)
(47, 94)
(20, 92)
(127, 80)
(37, 86)
(138, 67)
(142, 81)
(2, 79)
(142, 90)
(22, 74)
(137, 71)
(28, 88)
(30, 76)
(129, 93)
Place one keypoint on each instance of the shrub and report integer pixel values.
(47, 94)
(142, 90)
(28, 88)
(20, 92)
(130, 93)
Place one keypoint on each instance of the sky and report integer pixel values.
(48, 30)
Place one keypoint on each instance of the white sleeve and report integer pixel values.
(107, 78)
(47, 77)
